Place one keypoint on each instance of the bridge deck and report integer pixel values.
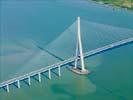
(56, 65)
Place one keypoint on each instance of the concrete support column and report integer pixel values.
(7, 87)
(49, 73)
(18, 82)
(39, 77)
(29, 81)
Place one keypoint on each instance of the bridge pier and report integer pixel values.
(49, 73)
(18, 83)
(29, 80)
(39, 77)
(59, 72)
(7, 88)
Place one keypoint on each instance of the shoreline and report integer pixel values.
(112, 4)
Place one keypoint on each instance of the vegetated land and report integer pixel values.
(118, 3)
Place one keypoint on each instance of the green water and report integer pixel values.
(44, 21)
(111, 79)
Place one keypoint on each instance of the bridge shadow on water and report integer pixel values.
(3, 88)
(61, 88)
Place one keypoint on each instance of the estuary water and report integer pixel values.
(29, 26)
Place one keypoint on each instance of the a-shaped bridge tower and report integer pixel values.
(79, 53)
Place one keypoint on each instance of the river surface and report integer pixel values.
(26, 24)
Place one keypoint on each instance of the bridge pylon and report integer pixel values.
(79, 53)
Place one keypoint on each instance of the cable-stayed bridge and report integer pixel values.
(79, 56)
